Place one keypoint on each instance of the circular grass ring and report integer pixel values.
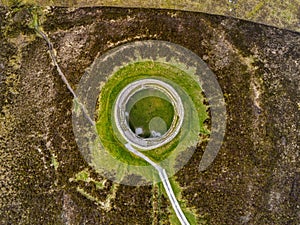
(189, 133)
(104, 149)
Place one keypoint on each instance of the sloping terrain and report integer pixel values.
(44, 179)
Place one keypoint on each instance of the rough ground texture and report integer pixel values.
(278, 13)
(255, 178)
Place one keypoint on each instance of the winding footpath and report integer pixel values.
(162, 172)
(165, 180)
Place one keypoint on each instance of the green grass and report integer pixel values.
(83, 176)
(150, 109)
(183, 83)
(189, 213)
(117, 82)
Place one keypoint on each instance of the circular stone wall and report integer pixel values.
(121, 114)
(178, 68)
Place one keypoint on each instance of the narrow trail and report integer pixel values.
(63, 77)
(162, 172)
(165, 180)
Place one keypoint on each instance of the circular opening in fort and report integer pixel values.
(165, 119)
(156, 107)
(148, 113)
